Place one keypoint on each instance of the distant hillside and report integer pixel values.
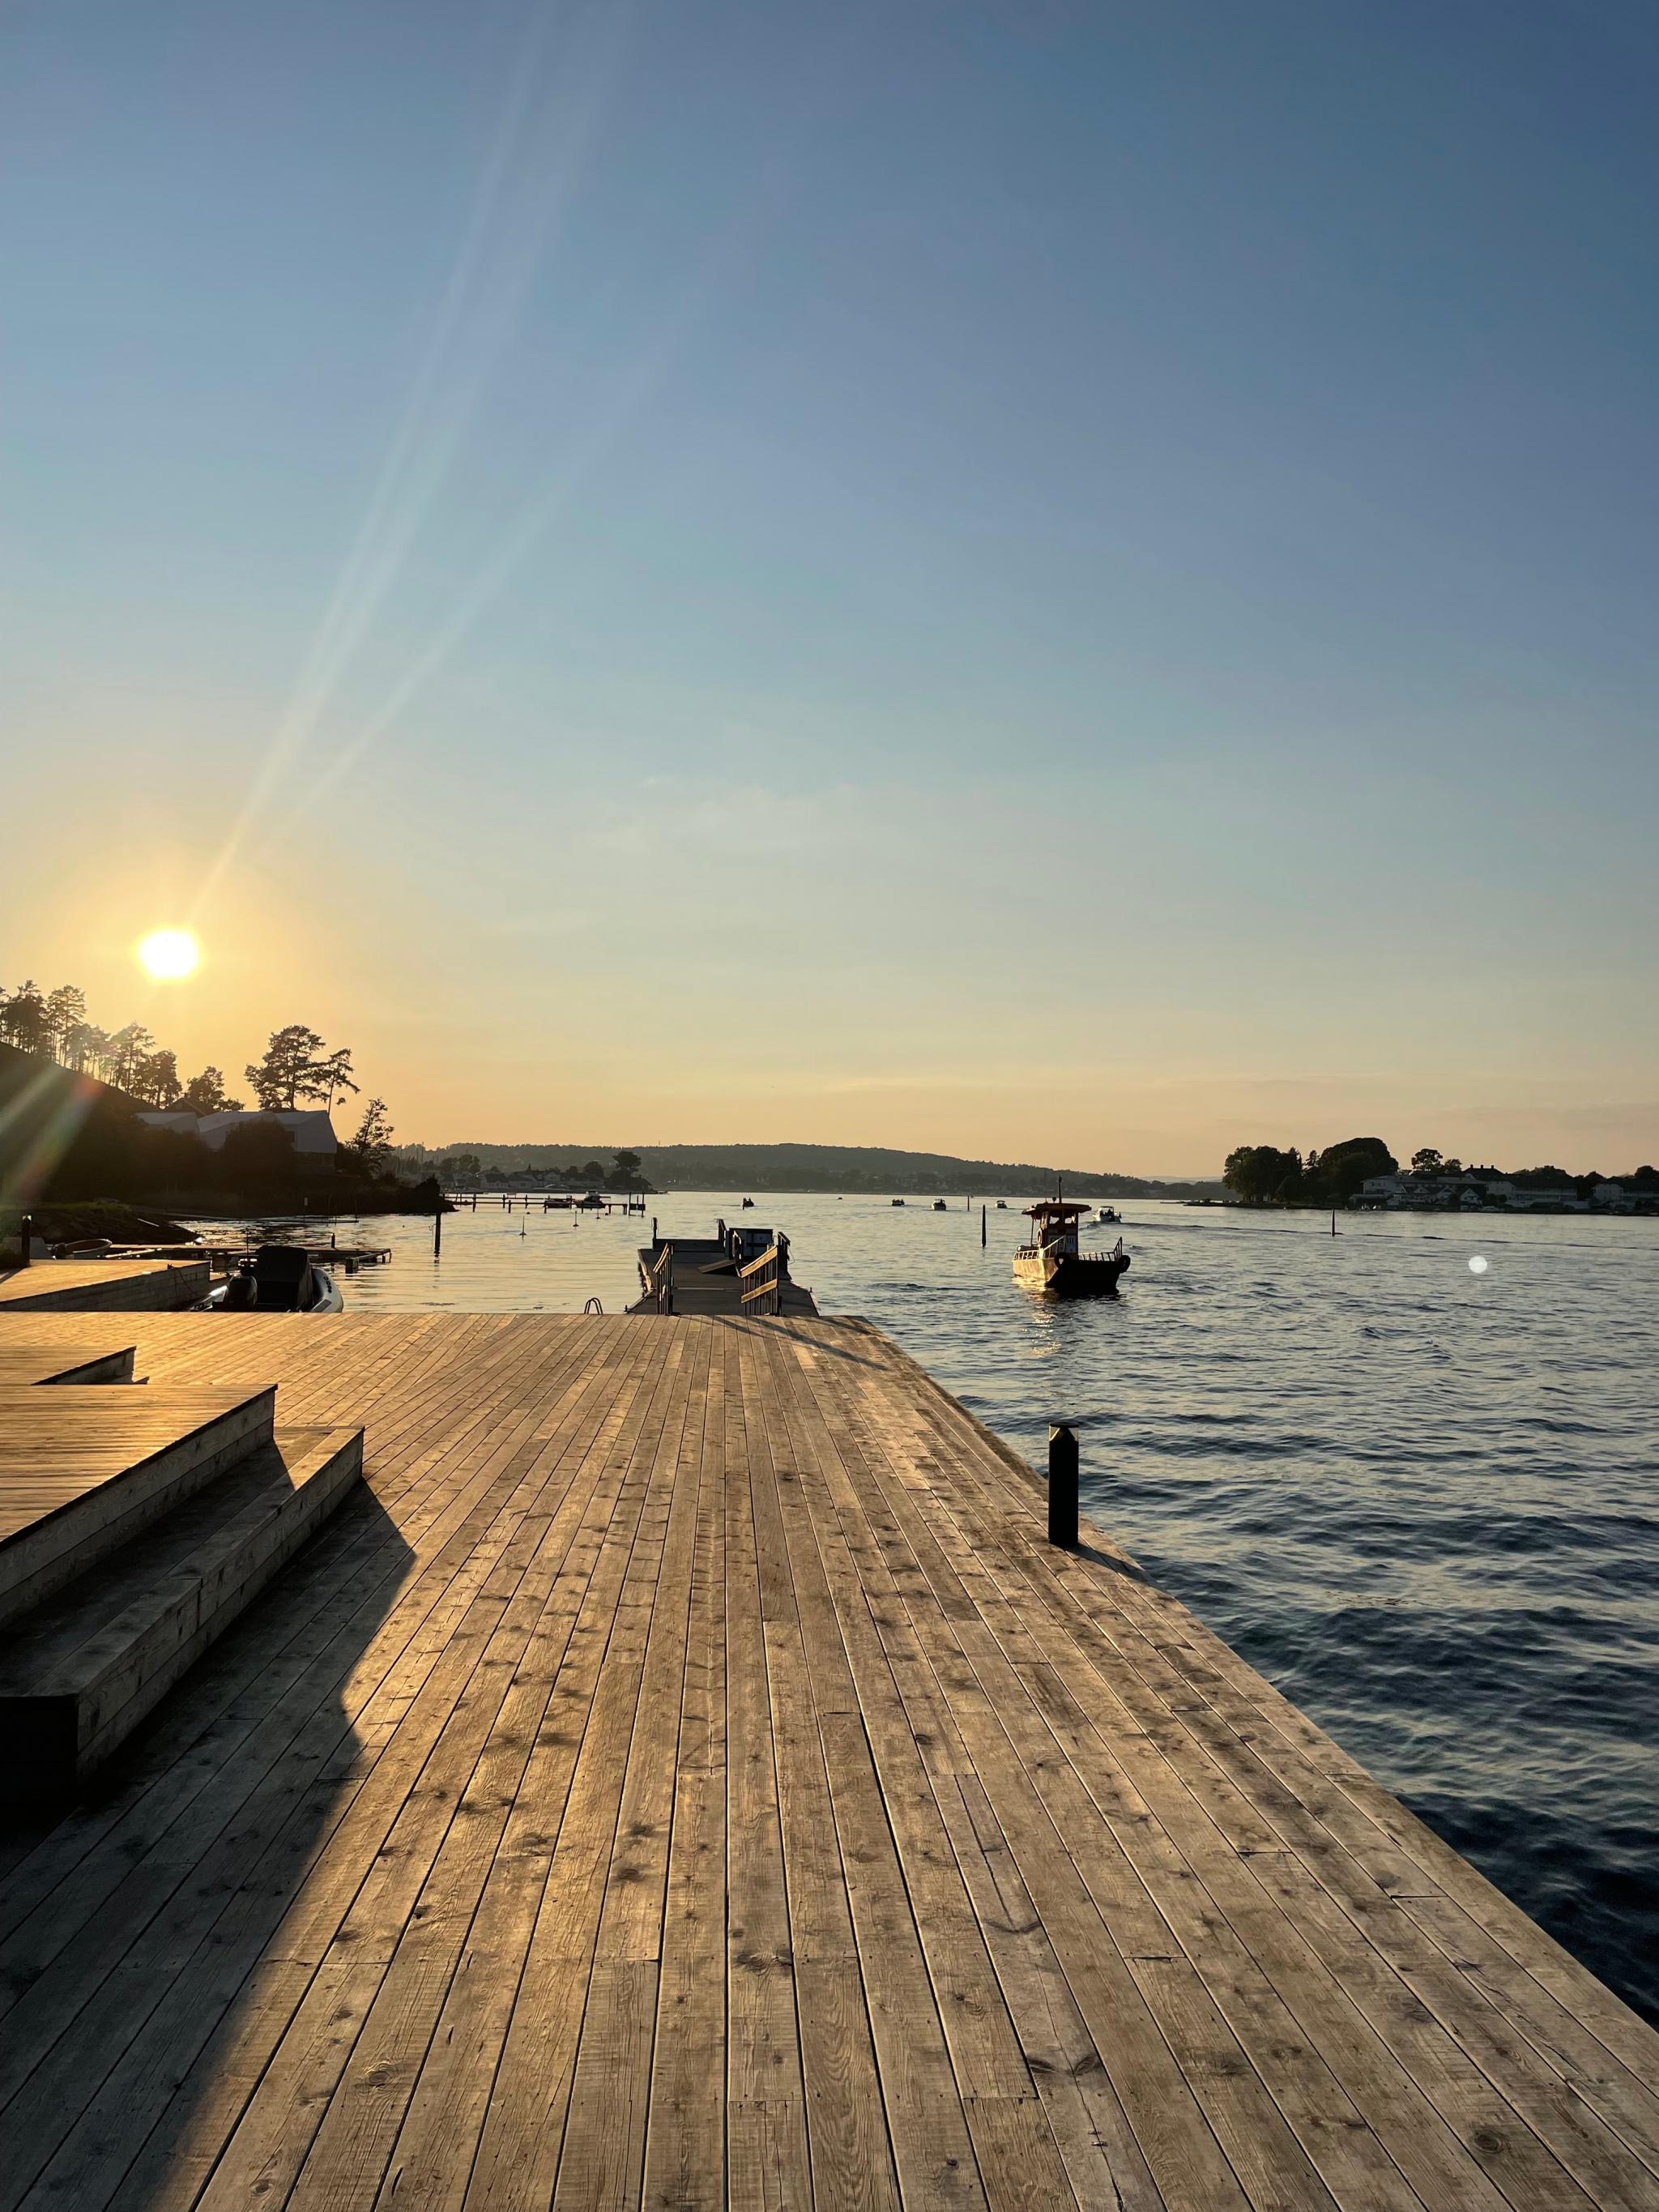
(815, 1167)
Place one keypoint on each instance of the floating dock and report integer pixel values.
(735, 1271)
(684, 1775)
(221, 1253)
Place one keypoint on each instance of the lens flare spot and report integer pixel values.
(1479, 1263)
(167, 954)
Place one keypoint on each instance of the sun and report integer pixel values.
(167, 954)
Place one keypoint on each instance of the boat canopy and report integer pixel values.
(1046, 1208)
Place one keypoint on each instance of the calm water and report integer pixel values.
(1421, 1500)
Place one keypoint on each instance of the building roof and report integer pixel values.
(308, 1127)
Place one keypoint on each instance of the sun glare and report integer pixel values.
(168, 954)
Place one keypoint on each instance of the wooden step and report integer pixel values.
(80, 1672)
(84, 1468)
(65, 1363)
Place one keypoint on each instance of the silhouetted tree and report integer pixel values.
(66, 1013)
(373, 1142)
(206, 1094)
(156, 1080)
(129, 1049)
(1260, 1172)
(297, 1066)
(1342, 1167)
(23, 1018)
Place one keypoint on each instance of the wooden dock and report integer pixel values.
(685, 1776)
(104, 1286)
(702, 1278)
(221, 1253)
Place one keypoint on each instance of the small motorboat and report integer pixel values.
(1108, 1214)
(278, 1279)
(748, 1205)
(898, 1202)
(939, 1206)
(1053, 1262)
(1002, 1206)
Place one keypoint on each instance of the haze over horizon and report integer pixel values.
(1063, 584)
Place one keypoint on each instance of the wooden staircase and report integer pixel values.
(135, 1523)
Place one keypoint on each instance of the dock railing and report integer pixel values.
(658, 1275)
(765, 1278)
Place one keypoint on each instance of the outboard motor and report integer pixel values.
(281, 1274)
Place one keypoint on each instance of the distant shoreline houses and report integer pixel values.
(1460, 1194)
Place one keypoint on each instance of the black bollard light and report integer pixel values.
(1062, 1487)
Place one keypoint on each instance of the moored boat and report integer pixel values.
(1053, 1260)
(278, 1279)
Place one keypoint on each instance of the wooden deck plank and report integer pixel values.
(685, 2144)
(688, 1779)
(768, 2163)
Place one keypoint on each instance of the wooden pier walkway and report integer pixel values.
(683, 1776)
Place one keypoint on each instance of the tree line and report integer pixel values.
(1264, 1174)
(296, 1068)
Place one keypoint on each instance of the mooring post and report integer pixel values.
(25, 1231)
(982, 1229)
(438, 1231)
(654, 1232)
(1063, 1487)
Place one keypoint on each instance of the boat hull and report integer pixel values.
(1071, 1275)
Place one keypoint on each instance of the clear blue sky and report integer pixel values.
(677, 508)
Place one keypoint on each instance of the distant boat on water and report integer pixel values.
(898, 1202)
(939, 1206)
(1053, 1260)
(1108, 1214)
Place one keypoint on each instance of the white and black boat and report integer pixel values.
(277, 1278)
(1053, 1260)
